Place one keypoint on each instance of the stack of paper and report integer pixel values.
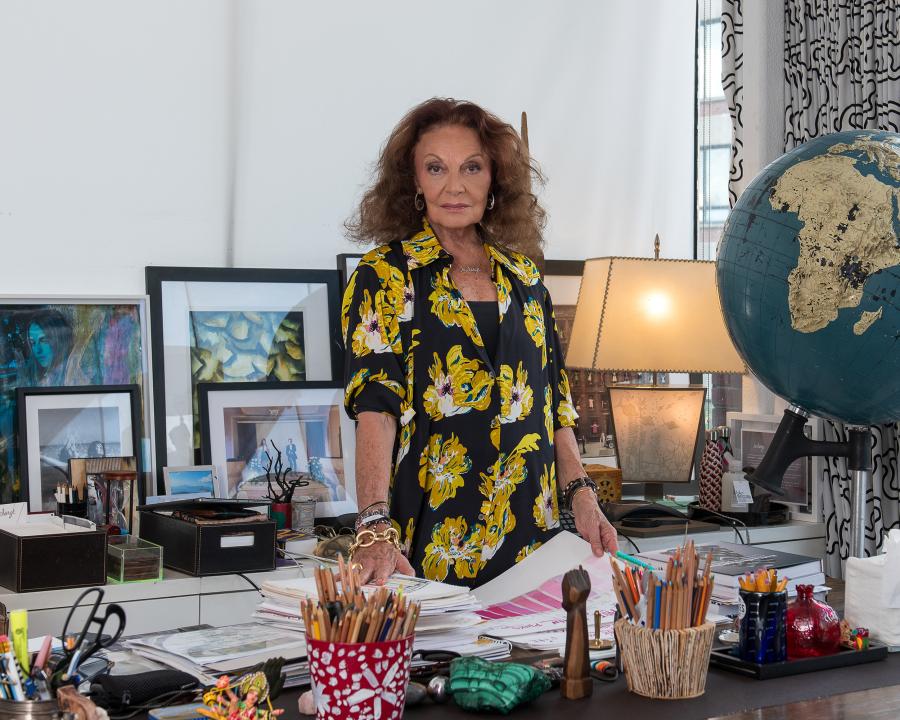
(447, 620)
(525, 603)
(210, 652)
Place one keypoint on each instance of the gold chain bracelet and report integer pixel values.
(367, 538)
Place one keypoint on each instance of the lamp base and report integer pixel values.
(654, 491)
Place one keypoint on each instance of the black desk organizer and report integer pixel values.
(726, 658)
(210, 549)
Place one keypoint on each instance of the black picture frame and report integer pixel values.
(346, 266)
(346, 427)
(157, 275)
(563, 267)
(22, 397)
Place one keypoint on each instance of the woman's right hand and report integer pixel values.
(379, 561)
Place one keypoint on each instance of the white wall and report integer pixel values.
(206, 132)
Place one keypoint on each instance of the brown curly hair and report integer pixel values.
(387, 211)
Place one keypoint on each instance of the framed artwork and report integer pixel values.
(346, 264)
(57, 341)
(593, 429)
(60, 423)
(305, 421)
(225, 325)
(193, 480)
(751, 436)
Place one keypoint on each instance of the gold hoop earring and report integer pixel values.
(490, 202)
(419, 202)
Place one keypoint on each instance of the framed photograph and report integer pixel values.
(224, 325)
(60, 423)
(56, 341)
(192, 480)
(751, 436)
(306, 422)
(346, 264)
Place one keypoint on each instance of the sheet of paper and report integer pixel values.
(560, 554)
(13, 513)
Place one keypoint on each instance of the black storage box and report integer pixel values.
(218, 544)
(52, 561)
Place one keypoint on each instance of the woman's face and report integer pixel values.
(40, 346)
(453, 174)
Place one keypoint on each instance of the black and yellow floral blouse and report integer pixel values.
(473, 486)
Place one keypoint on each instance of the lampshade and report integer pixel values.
(644, 315)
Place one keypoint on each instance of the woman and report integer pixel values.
(454, 373)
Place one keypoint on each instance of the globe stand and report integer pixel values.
(790, 442)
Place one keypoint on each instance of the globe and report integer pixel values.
(808, 272)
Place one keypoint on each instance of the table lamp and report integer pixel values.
(652, 315)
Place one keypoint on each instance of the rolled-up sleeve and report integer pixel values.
(370, 313)
(564, 414)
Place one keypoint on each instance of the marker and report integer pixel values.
(18, 628)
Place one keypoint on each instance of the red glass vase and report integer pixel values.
(813, 628)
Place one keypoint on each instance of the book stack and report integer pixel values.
(730, 561)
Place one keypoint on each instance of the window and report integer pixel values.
(713, 169)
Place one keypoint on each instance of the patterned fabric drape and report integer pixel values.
(842, 71)
(733, 85)
(841, 67)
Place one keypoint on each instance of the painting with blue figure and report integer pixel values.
(46, 345)
(190, 481)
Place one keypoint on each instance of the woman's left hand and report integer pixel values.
(592, 523)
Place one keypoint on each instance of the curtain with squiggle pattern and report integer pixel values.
(842, 71)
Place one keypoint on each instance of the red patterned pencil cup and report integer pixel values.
(357, 681)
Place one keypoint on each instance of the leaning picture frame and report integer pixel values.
(346, 264)
(803, 478)
(191, 480)
(60, 423)
(305, 421)
(72, 340)
(227, 325)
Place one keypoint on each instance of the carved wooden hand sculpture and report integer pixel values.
(577, 683)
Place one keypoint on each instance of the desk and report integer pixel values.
(726, 694)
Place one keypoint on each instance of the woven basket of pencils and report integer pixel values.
(665, 664)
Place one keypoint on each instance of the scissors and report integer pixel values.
(67, 666)
(431, 662)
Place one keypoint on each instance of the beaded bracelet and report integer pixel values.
(367, 538)
(574, 486)
(372, 515)
(370, 520)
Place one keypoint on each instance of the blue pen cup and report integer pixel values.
(763, 630)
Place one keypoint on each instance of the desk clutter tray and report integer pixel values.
(727, 659)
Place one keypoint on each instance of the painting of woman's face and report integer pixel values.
(40, 346)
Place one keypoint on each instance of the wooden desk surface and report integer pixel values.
(877, 704)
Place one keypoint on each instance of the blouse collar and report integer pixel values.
(423, 248)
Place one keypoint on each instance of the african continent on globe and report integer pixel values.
(808, 270)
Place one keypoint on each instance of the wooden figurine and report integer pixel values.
(576, 683)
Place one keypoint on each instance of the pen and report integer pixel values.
(12, 673)
(633, 560)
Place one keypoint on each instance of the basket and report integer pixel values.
(665, 664)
